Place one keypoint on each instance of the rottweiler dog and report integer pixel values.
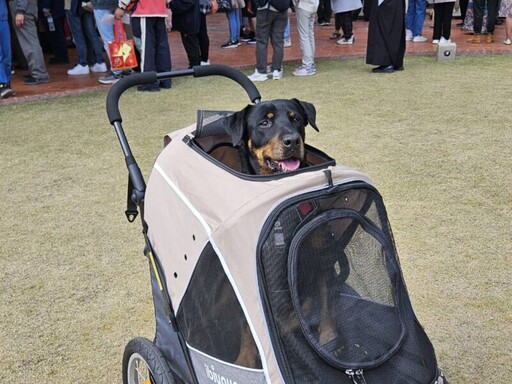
(270, 135)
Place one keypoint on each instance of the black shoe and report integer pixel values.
(29, 76)
(398, 68)
(384, 69)
(148, 88)
(6, 91)
(165, 84)
(34, 81)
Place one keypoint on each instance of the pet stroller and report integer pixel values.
(288, 278)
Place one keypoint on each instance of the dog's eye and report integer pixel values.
(264, 123)
(296, 119)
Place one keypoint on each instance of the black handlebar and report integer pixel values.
(137, 186)
(126, 82)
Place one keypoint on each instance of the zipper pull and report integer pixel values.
(356, 376)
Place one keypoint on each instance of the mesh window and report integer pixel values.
(211, 317)
(343, 290)
(334, 295)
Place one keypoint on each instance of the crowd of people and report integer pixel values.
(28, 26)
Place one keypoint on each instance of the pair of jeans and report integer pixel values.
(5, 52)
(106, 30)
(270, 25)
(305, 28)
(84, 34)
(416, 12)
(287, 30)
(233, 16)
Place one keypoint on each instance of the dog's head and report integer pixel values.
(271, 134)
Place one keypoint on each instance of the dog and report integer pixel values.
(270, 135)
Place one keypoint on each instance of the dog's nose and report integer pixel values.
(291, 140)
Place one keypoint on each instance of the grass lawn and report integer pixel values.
(436, 140)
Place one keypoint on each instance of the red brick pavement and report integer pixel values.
(243, 56)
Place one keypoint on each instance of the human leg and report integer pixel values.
(277, 39)
(447, 20)
(438, 21)
(263, 28)
(478, 15)
(492, 11)
(75, 25)
(204, 39)
(89, 30)
(5, 53)
(303, 28)
(29, 42)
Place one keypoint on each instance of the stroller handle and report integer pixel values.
(126, 82)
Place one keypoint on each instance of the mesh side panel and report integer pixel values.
(332, 286)
(211, 317)
(342, 292)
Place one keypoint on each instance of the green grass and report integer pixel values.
(435, 139)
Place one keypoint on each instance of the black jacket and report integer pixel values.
(185, 16)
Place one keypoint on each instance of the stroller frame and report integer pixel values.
(314, 230)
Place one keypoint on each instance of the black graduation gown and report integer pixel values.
(386, 33)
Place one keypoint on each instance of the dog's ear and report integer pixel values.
(234, 125)
(310, 112)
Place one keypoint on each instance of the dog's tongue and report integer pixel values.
(289, 164)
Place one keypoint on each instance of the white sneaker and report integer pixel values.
(256, 76)
(79, 70)
(408, 35)
(435, 41)
(345, 41)
(99, 68)
(305, 71)
(444, 41)
(419, 39)
(277, 75)
(205, 62)
(507, 42)
(287, 43)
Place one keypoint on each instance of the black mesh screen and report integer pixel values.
(334, 293)
(211, 317)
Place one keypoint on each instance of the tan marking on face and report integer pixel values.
(271, 150)
(270, 115)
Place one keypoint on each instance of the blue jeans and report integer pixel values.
(233, 16)
(5, 52)
(287, 30)
(416, 12)
(106, 30)
(84, 31)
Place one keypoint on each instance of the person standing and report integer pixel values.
(81, 24)
(305, 17)
(270, 25)
(479, 7)
(53, 16)
(343, 19)
(386, 36)
(191, 23)
(324, 13)
(24, 15)
(443, 11)
(149, 25)
(506, 10)
(234, 23)
(416, 12)
(5, 53)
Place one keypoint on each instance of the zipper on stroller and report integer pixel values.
(356, 376)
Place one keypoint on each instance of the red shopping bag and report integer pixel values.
(122, 50)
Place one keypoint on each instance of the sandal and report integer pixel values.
(335, 35)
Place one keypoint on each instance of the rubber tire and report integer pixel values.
(143, 350)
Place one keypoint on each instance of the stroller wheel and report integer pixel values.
(143, 363)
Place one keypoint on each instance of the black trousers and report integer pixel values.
(478, 11)
(443, 20)
(156, 55)
(324, 11)
(197, 45)
(343, 20)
